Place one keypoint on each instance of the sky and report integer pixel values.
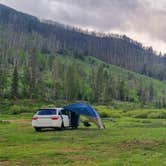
(141, 20)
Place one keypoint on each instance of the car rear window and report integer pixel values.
(47, 112)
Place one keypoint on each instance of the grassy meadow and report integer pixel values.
(134, 137)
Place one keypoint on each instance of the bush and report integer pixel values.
(14, 110)
(25, 109)
(106, 111)
(145, 121)
(125, 105)
(142, 115)
(162, 115)
(110, 114)
(147, 113)
(157, 115)
(115, 114)
(104, 114)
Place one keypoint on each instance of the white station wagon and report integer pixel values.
(50, 118)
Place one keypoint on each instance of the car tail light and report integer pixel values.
(55, 117)
(35, 118)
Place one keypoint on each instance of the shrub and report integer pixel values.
(106, 111)
(15, 109)
(104, 115)
(157, 115)
(162, 115)
(115, 114)
(112, 114)
(143, 115)
(145, 121)
(25, 109)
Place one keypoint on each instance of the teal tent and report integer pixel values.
(86, 110)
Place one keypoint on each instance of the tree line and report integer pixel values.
(35, 75)
(29, 67)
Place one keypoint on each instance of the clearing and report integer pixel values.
(125, 141)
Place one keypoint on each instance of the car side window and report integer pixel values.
(65, 112)
(60, 113)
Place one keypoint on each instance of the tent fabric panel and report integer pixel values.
(83, 109)
(97, 121)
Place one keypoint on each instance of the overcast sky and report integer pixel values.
(142, 20)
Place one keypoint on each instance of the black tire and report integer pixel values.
(38, 129)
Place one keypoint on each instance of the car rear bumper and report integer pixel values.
(38, 123)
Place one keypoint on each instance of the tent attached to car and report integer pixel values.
(86, 110)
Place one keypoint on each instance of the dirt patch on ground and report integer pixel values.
(5, 163)
(3, 140)
(66, 150)
(137, 144)
(9, 163)
(4, 122)
(21, 121)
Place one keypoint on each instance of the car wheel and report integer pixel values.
(37, 129)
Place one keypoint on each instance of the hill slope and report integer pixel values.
(51, 62)
(20, 30)
(53, 77)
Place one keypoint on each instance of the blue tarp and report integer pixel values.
(82, 109)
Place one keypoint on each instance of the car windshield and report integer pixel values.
(47, 112)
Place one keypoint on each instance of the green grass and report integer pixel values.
(125, 141)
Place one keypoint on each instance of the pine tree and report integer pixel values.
(14, 85)
(3, 79)
(98, 82)
(151, 92)
(105, 94)
(71, 83)
(122, 91)
(34, 73)
(26, 81)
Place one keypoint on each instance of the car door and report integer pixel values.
(65, 119)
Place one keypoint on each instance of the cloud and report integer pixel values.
(142, 19)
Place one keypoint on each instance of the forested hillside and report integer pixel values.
(52, 62)
(65, 77)
(20, 30)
